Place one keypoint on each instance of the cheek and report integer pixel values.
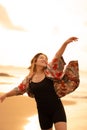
(38, 62)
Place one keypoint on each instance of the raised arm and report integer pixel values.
(63, 47)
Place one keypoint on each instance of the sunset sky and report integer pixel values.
(31, 26)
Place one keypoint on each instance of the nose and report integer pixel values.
(45, 61)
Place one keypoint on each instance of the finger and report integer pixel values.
(75, 38)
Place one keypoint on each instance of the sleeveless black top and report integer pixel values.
(44, 93)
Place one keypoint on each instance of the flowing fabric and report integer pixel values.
(70, 80)
(65, 80)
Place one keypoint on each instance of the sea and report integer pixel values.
(12, 76)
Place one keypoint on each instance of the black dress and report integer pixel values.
(49, 106)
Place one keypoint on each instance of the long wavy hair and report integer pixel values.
(32, 67)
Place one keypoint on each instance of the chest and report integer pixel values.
(42, 87)
(38, 78)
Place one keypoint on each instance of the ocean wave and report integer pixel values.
(6, 83)
(81, 97)
(6, 75)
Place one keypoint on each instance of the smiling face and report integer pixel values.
(41, 61)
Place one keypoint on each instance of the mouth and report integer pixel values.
(44, 62)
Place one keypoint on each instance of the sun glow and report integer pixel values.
(29, 27)
(33, 123)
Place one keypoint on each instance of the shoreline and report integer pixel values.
(16, 113)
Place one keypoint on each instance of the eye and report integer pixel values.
(42, 57)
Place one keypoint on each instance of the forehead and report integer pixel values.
(42, 56)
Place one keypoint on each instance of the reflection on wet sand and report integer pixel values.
(33, 123)
(20, 113)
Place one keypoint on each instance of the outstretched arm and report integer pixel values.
(19, 90)
(8, 94)
(63, 47)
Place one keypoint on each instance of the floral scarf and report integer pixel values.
(65, 80)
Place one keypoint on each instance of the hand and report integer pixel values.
(2, 98)
(71, 39)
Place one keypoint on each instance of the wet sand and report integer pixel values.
(15, 111)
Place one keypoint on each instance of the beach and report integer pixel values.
(16, 113)
(20, 113)
(28, 27)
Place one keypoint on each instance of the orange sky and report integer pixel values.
(28, 27)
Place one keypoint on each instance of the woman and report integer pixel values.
(40, 85)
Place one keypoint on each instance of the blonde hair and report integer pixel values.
(32, 67)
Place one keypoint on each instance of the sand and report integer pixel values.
(15, 112)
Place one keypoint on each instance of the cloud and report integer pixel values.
(6, 21)
(85, 23)
(55, 30)
(84, 48)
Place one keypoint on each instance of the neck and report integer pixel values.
(39, 71)
(38, 75)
